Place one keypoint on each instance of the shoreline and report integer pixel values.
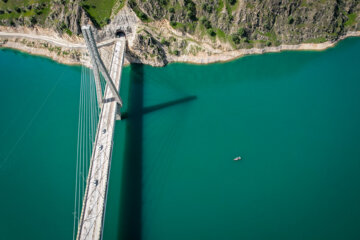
(236, 54)
(200, 59)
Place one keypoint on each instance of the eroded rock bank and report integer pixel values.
(158, 42)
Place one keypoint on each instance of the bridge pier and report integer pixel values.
(118, 112)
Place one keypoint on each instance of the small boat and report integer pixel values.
(237, 158)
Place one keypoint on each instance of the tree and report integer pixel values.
(241, 32)
(232, 2)
(235, 38)
(143, 16)
(290, 20)
(211, 32)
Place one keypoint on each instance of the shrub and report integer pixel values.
(211, 32)
(207, 8)
(172, 10)
(290, 20)
(132, 3)
(191, 9)
(33, 20)
(163, 2)
(241, 32)
(232, 2)
(205, 22)
(164, 42)
(143, 16)
(235, 38)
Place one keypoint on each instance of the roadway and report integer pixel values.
(55, 41)
(94, 203)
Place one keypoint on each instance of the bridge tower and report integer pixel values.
(97, 65)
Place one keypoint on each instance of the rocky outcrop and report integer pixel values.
(64, 17)
(162, 31)
(275, 21)
(125, 20)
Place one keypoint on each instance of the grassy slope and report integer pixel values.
(101, 11)
(13, 9)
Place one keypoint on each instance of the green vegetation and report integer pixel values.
(164, 2)
(230, 7)
(220, 6)
(221, 35)
(211, 32)
(304, 3)
(35, 11)
(164, 42)
(184, 27)
(205, 22)
(351, 19)
(272, 37)
(232, 2)
(316, 40)
(290, 20)
(250, 5)
(207, 8)
(138, 12)
(65, 29)
(257, 22)
(100, 11)
(178, 25)
(240, 34)
(190, 10)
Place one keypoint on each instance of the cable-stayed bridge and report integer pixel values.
(99, 108)
(89, 223)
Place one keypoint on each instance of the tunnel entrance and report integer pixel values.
(120, 33)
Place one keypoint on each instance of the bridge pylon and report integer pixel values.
(97, 65)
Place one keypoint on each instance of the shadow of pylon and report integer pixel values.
(131, 187)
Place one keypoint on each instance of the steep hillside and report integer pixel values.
(169, 29)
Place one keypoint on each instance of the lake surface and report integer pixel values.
(293, 117)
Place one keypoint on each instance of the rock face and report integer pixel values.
(125, 21)
(203, 26)
(65, 17)
(147, 50)
(276, 21)
(161, 31)
(142, 48)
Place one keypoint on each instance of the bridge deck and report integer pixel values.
(94, 202)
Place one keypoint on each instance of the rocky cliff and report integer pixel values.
(161, 31)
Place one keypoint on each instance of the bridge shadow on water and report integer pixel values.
(131, 196)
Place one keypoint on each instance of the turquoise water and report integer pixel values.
(292, 116)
